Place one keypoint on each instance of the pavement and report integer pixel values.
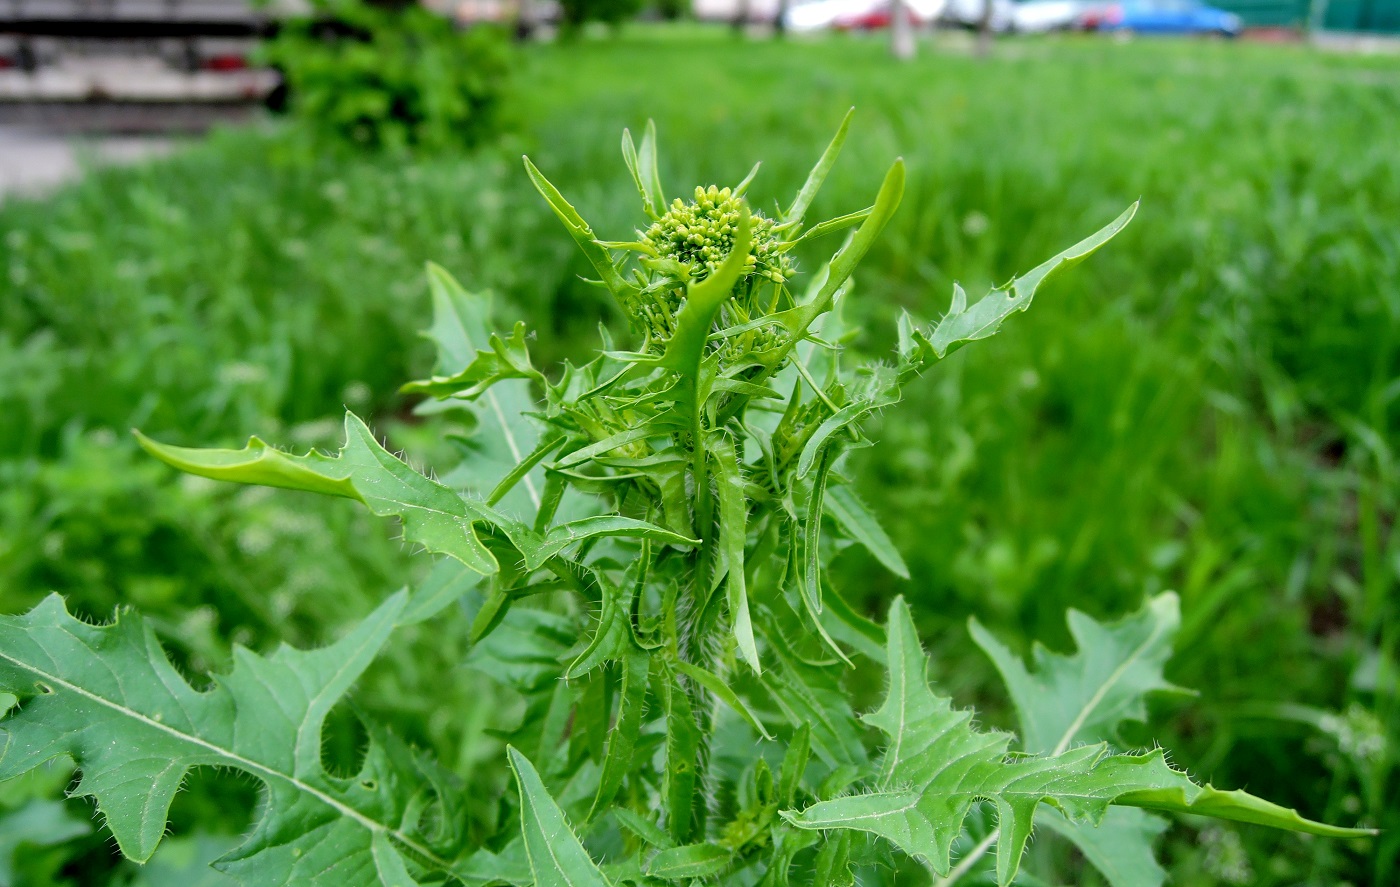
(34, 160)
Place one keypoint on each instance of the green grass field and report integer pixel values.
(1209, 405)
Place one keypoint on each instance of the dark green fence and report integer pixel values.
(1268, 13)
(1362, 15)
(1381, 16)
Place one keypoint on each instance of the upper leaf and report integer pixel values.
(966, 323)
(108, 697)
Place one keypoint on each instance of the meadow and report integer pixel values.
(1209, 405)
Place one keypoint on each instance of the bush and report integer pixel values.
(391, 77)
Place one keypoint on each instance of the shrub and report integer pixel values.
(391, 77)
(636, 550)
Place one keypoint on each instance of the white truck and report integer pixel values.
(133, 53)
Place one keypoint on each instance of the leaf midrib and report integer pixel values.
(247, 764)
(1114, 678)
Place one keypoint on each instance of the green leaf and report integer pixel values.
(723, 692)
(1237, 806)
(690, 861)
(683, 744)
(733, 532)
(650, 170)
(583, 235)
(461, 329)
(258, 463)
(937, 767)
(557, 859)
(1070, 700)
(507, 359)
(1120, 846)
(856, 521)
(434, 516)
(819, 172)
(622, 741)
(812, 697)
(644, 169)
(448, 582)
(108, 697)
(963, 324)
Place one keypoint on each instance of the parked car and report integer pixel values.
(854, 15)
(1162, 17)
(1036, 16)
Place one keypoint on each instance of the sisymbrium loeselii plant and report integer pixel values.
(635, 548)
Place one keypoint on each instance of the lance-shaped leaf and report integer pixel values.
(818, 175)
(622, 740)
(557, 859)
(433, 515)
(461, 328)
(583, 235)
(108, 697)
(860, 525)
(733, 532)
(937, 767)
(964, 323)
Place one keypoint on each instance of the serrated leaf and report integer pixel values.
(1084, 697)
(506, 359)
(937, 767)
(434, 516)
(557, 859)
(108, 697)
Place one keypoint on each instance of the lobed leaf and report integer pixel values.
(108, 697)
(937, 767)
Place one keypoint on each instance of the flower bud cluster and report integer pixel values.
(700, 234)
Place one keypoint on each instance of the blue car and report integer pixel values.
(1162, 17)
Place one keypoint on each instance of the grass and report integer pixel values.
(1209, 405)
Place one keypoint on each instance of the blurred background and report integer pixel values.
(214, 218)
